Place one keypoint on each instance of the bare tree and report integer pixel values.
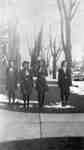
(66, 16)
(55, 52)
(3, 41)
(13, 44)
(48, 55)
(35, 51)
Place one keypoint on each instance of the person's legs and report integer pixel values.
(9, 96)
(62, 96)
(39, 97)
(43, 97)
(67, 93)
(24, 99)
(28, 101)
(13, 96)
(66, 99)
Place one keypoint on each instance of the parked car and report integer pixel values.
(81, 76)
(77, 75)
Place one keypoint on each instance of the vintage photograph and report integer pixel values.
(41, 75)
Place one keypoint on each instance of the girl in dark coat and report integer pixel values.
(11, 81)
(26, 82)
(41, 84)
(64, 81)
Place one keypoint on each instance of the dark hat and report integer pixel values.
(63, 62)
(25, 62)
(11, 60)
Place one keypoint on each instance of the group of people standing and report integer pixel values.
(24, 79)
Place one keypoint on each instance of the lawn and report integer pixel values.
(52, 97)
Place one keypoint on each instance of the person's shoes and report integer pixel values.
(13, 102)
(40, 109)
(25, 109)
(9, 103)
(63, 104)
(28, 109)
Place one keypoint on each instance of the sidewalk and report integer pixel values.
(15, 126)
(18, 126)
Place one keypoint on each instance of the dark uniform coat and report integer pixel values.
(26, 82)
(41, 84)
(64, 81)
(11, 79)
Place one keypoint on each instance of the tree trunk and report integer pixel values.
(68, 55)
(54, 67)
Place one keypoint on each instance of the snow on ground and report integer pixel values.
(58, 105)
(4, 98)
(78, 90)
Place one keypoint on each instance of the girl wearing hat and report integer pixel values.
(41, 84)
(26, 83)
(64, 81)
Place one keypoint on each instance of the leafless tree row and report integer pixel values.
(67, 11)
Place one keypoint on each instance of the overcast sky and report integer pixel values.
(32, 13)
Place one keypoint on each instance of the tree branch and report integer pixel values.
(64, 8)
(73, 4)
(76, 5)
(52, 53)
(56, 51)
(54, 45)
(61, 20)
(59, 53)
(51, 45)
(59, 7)
(62, 34)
